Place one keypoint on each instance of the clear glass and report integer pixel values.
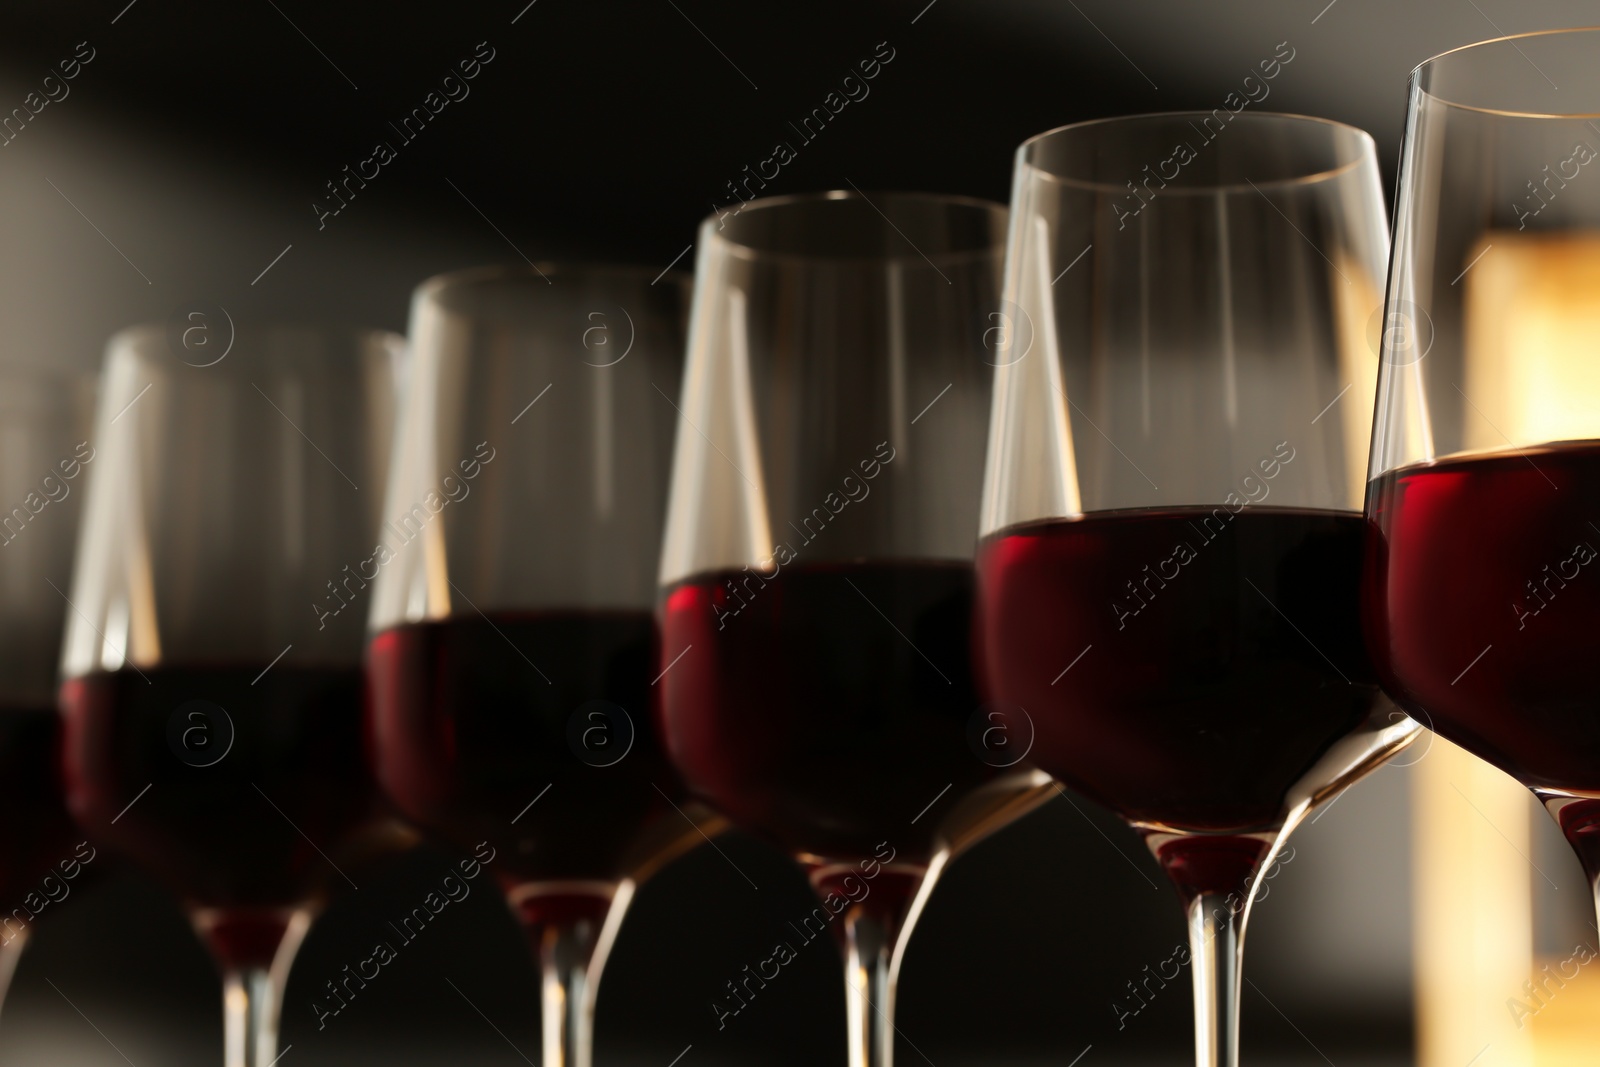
(211, 693)
(45, 451)
(1486, 445)
(816, 575)
(512, 642)
(1169, 572)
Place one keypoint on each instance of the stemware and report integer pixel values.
(513, 647)
(211, 693)
(1481, 604)
(45, 452)
(816, 575)
(1168, 580)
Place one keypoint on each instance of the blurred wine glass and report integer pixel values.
(45, 451)
(816, 576)
(212, 683)
(513, 647)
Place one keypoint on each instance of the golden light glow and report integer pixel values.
(1565, 1012)
(1474, 910)
(1532, 342)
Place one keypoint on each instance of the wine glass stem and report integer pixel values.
(254, 951)
(251, 1004)
(566, 994)
(1216, 933)
(571, 936)
(869, 989)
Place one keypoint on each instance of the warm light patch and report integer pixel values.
(1532, 343)
(1474, 909)
(1565, 1017)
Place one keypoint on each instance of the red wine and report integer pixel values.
(39, 833)
(238, 811)
(1482, 591)
(1185, 667)
(530, 731)
(825, 707)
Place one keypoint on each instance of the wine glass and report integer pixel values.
(45, 452)
(1481, 604)
(816, 575)
(211, 693)
(1168, 579)
(513, 647)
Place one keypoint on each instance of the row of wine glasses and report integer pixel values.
(904, 512)
(798, 661)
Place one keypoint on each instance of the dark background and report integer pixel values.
(200, 135)
(188, 155)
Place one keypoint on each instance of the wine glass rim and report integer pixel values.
(1510, 449)
(710, 227)
(542, 271)
(1511, 39)
(1369, 152)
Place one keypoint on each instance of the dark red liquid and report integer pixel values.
(474, 719)
(825, 707)
(1209, 687)
(1480, 613)
(259, 828)
(39, 835)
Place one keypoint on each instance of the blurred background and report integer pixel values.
(189, 164)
